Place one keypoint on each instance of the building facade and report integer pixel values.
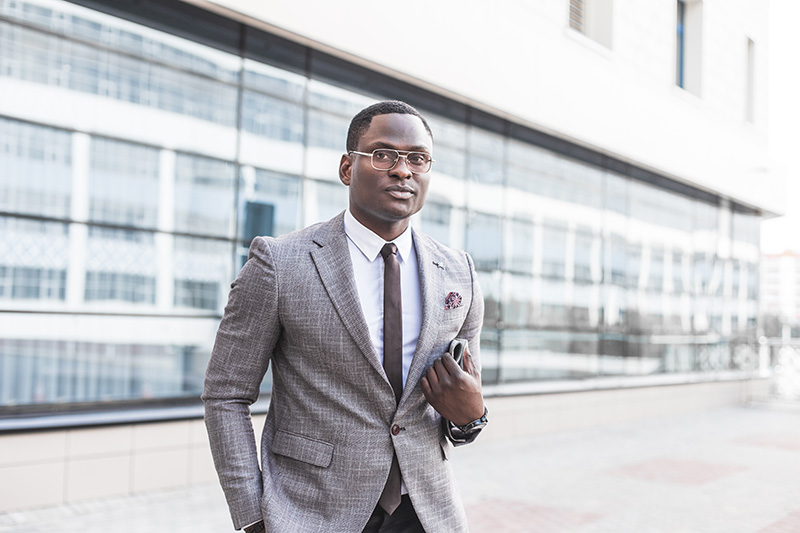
(595, 158)
(780, 290)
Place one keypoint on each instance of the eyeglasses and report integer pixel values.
(386, 159)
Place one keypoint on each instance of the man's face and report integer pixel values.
(383, 200)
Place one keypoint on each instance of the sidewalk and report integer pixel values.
(728, 470)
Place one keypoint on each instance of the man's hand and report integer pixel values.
(453, 392)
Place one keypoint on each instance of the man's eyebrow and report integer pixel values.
(381, 144)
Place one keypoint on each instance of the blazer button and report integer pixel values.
(396, 430)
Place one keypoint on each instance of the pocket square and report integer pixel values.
(452, 301)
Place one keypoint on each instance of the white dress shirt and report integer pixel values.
(368, 266)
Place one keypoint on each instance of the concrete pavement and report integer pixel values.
(725, 470)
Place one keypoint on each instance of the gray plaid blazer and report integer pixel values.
(326, 446)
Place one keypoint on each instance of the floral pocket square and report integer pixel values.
(452, 301)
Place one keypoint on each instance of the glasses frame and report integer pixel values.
(399, 155)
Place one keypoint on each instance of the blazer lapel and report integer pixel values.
(431, 280)
(335, 268)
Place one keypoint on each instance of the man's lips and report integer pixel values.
(400, 192)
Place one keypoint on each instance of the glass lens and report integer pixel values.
(418, 161)
(384, 159)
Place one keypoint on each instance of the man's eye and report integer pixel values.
(381, 156)
(416, 159)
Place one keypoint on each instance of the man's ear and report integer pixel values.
(345, 167)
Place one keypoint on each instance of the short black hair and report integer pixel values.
(361, 122)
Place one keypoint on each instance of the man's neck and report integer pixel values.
(389, 231)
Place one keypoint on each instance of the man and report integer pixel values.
(352, 442)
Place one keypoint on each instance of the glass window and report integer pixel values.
(327, 131)
(123, 183)
(272, 117)
(520, 251)
(519, 309)
(449, 161)
(435, 220)
(271, 206)
(332, 99)
(34, 257)
(122, 271)
(202, 273)
(332, 199)
(554, 249)
(554, 306)
(37, 169)
(56, 61)
(485, 240)
(274, 81)
(204, 195)
(678, 283)
(491, 287)
(584, 312)
(616, 193)
(584, 259)
(50, 372)
(486, 155)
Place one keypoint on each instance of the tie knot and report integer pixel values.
(388, 249)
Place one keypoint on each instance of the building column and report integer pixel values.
(164, 240)
(79, 214)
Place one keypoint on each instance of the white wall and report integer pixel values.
(520, 59)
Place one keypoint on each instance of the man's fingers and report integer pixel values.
(449, 363)
(426, 387)
(466, 362)
(432, 376)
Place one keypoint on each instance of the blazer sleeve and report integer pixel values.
(471, 330)
(247, 335)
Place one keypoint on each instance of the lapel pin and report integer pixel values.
(452, 301)
(438, 264)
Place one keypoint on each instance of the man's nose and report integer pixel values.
(400, 168)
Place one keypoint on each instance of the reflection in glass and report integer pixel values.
(204, 193)
(271, 117)
(332, 199)
(123, 183)
(519, 309)
(554, 250)
(121, 271)
(520, 251)
(48, 372)
(34, 258)
(484, 240)
(201, 273)
(36, 163)
(271, 206)
(435, 221)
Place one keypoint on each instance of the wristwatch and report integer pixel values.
(459, 435)
(475, 425)
(258, 527)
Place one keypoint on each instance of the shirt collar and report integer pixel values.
(370, 244)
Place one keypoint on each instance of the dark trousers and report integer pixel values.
(402, 520)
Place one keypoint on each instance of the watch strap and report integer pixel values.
(475, 424)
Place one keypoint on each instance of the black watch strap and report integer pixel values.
(475, 424)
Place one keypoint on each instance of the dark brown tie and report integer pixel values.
(392, 357)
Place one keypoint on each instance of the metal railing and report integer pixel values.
(782, 357)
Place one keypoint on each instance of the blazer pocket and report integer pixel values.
(308, 450)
